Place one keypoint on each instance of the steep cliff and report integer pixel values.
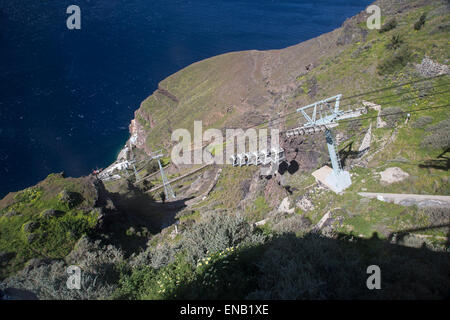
(243, 223)
(243, 88)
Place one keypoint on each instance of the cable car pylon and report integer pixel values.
(168, 191)
(322, 116)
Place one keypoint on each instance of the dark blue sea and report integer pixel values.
(67, 96)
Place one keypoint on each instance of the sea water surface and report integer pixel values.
(67, 96)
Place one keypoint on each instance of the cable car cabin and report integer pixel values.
(234, 161)
(264, 157)
(277, 155)
(253, 158)
(299, 132)
(258, 159)
(241, 159)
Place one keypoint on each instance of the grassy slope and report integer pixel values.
(362, 216)
(350, 71)
(52, 237)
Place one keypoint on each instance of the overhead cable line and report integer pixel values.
(385, 103)
(397, 101)
(393, 87)
(376, 98)
(395, 113)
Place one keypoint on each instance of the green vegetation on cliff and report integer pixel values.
(46, 220)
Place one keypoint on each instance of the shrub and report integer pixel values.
(96, 259)
(439, 136)
(12, 213)
(51, 213)
(217, 232)
(29, 195)
(155, 257)
(316, 267)
(395, 42)
(224, 274)
(437, 140)
(152, 166)
(293, 224)
(288, 267)
(438, 215)
(146, 185)
(47, 279)
(146, 282)
(394, 61)
(389, 25)
(307, 269)
(420, 23)
(70, 199)
(48, 282)
(57, 236)
(422, 122)
(133, 286)
(392, 115)
(30, 226)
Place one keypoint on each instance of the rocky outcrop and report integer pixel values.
(285, 206)
(167, 94)
(351, 32)
(304, 204)
(392, 175)
(274, 193)
(429, 68)
(305, 152)
(138, 134)
(140, 128)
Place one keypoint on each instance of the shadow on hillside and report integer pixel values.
(400, 235)
(317, 267)
(447, 243)
(131, 217)
(18, 294)
(442, 162)
(291, 167)
(346, 153)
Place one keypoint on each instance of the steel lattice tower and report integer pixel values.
(168, 191)
(321, 116)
